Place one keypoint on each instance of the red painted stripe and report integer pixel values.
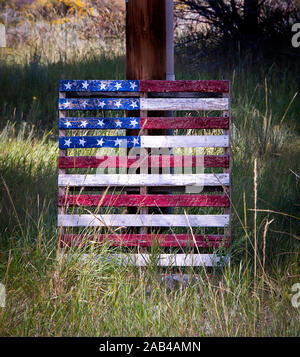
(184, 86)
(185, 123)
(73, 162)
(146, 240)
(122, 200)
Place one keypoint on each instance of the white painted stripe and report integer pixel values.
(184, 141)
(142, 220)
(146, 259)
(165, 259)
(184, 103)
(144, 180)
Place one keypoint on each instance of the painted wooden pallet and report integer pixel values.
(80, 132)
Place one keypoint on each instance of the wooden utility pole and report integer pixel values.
(145, 39)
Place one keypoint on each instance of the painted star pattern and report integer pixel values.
(99, 123)
(99, 85)
(96, 104)
(99, 141)
(84, 123)
(133, 123)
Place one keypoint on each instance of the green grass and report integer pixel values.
(99, 298)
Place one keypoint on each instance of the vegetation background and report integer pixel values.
(77, 39)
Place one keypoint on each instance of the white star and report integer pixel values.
(101, 104)
(132, 85)
(118, 142)
(118, 123)
(67, 124)
(68, 142)
(133, 104)
(135, 141)
(66, 104)
(68, 85)
(84, 104)
(101, 123)
(118, 103)
(84, 124)
(82, 142)
(118, 85)
(133, 123)
(100, 142)
(102, 85)
(85, 85)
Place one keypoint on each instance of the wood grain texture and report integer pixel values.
(70, 123)
(184, 141)
(142, 220)
(184, 86)
(145, 39)
(185, 123)
(167, 260)
(144, 141)
(71, 162)
(143, 180)
(184, 104)
(98, 86)
(192, 200)
(147, 240)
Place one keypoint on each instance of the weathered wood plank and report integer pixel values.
(99, 142)
(142, 220)
(185, 123)
(98, 104)
(145, 123)
(167, 260)
(99, 123)
(72, 162)
(98, 85)
(184, 104)
(184, 141)
(144, 180)
(184, 86)
(192, 200)
(147, 240)
(144, 141)
(148, 104)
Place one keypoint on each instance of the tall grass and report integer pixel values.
(93, 296)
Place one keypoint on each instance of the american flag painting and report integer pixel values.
(132, 173)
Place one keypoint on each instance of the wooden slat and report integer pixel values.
(98, 85)
(184, 104)
(99, 141)
(153, 104)
(166, 259)
(152, 141)
(185, 123)
(145, 123)
(142, 220)
(98, 104)
(71, 162)
(144, 86)
(144, 180)
(70, 123)
(148, 200)
(147, 240)
(184, 86)
(144, 141)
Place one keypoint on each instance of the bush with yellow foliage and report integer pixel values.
(64, 28)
